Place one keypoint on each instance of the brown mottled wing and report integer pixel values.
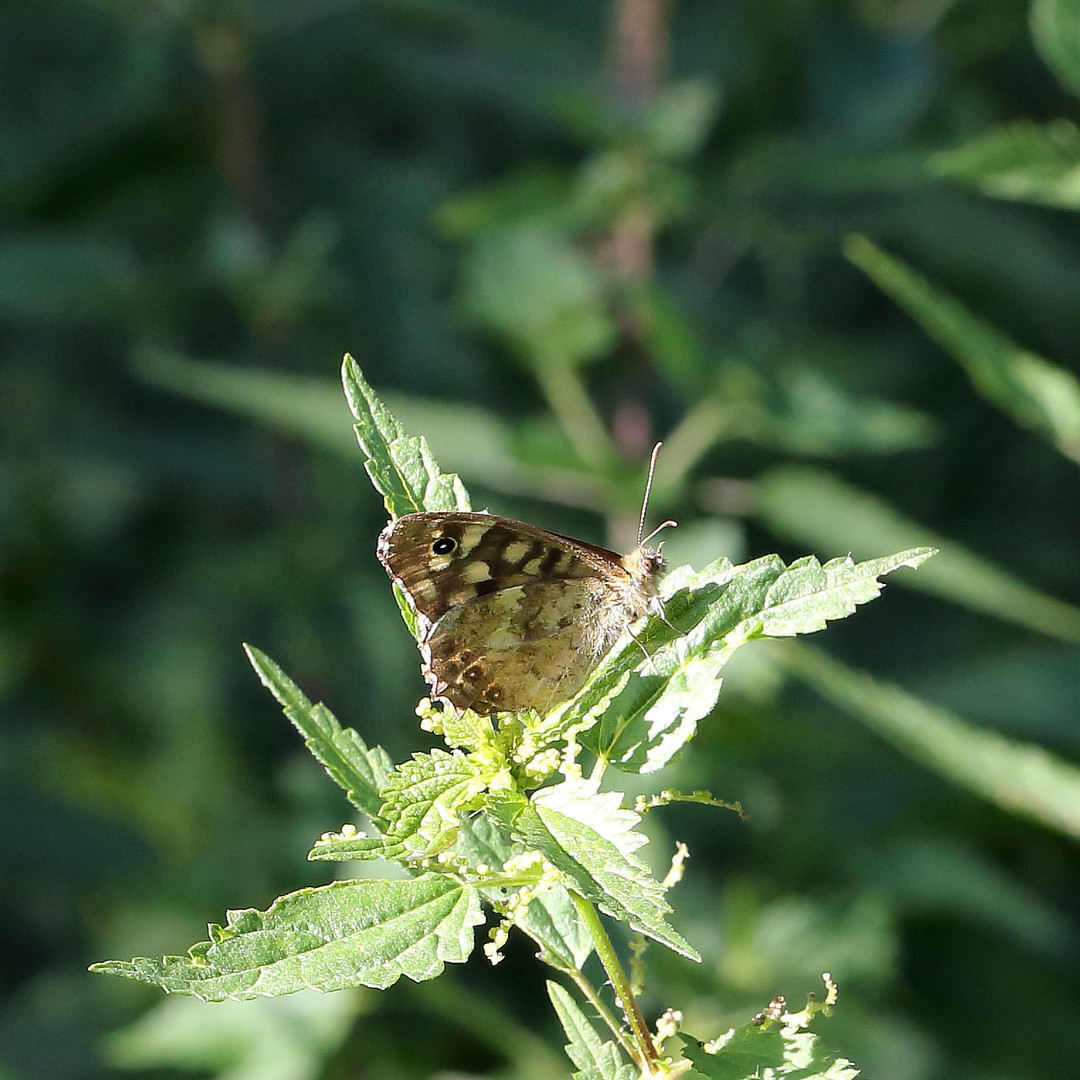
(489, 554)
(527, 647)
(510, 616)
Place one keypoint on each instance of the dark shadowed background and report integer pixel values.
(549, 233)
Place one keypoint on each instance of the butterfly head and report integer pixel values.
(646, 566)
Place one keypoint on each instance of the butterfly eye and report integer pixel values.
(444, 545)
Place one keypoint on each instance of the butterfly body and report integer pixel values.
(511, 616)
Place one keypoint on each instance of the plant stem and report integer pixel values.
(602, 1011)
(704, 425)
(645, 1051)
(565, 393)
(599, 768)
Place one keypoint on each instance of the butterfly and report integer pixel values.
(511, 616)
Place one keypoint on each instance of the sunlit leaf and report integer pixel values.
(617, 882)
(359, 770)
(350, 933)
(649, 695)
(401, 467)
(593, 1058)
(750, 1052)
(550, 918)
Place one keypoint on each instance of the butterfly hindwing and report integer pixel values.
(525, 647)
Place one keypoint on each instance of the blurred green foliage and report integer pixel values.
(542, 263)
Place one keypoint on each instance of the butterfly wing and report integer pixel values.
(510, 616)
(526, 647)
(442, 560)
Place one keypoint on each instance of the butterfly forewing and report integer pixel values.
(442, 560)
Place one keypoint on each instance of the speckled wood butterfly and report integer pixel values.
(512, 616)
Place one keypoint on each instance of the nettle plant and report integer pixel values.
(508, 819)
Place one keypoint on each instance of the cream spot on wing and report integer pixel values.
(504, 638)
(506, 602)
(532, 566)
(424, 589)
(439, 562)
(471, 535)
(476, 571)
(515, 550)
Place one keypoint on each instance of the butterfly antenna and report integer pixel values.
(648, 488)
(645, 501)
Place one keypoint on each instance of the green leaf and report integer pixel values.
(815, 507)
(402, 468)
(1055, 25)
(600, 869)
(424, 799)
(603, 811)
(678, 120)
(550, 917)
(361, 772)
(1018, 777)
(593, 1058)
(537, 192)
(309, 408)
(421, 812)
(817, 417)
(530, 287)
(1033, 392)
(351, 846)
(752, 1052)
(650, 695)
(470, 731)
(1028, 162)
(475, 440)
(807, 595)
(287, 1038)
(350, 933)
